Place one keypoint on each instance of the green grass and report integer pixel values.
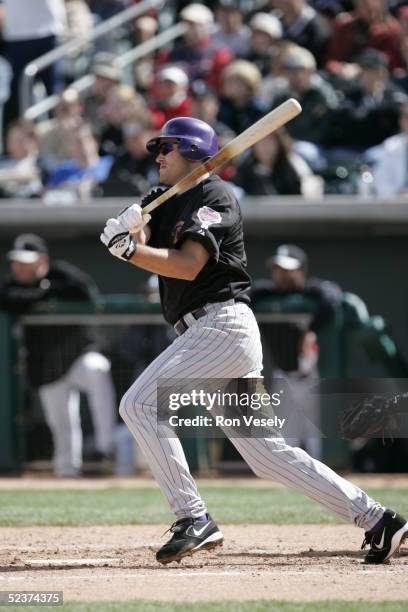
(232, 504)
(247, 606)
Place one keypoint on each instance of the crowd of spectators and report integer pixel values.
(346, 61)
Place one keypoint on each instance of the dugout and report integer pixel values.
(350, 333)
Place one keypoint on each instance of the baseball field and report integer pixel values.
(95, 541)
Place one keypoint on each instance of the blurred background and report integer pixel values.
(83, 85)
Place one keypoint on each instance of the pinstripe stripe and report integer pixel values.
(225, 343)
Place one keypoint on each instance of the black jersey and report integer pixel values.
(210, 214)
(51, 349)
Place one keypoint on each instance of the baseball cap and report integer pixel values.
(267, 23)
(288, 257)
(297, 58)
(27, 248)
(197, 13)
(174, 74)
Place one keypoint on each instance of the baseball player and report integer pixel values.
(195, 244)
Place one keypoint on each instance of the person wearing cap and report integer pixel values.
(369, 26)
(316, 96)
(233, 32)
(288, 269)
(239, 104)
(369, 111)
(60, 359)
(266, 32)
(107, 75)
(197, 52)
(303, 26)
(170, 98)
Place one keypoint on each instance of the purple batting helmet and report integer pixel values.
(196, 139)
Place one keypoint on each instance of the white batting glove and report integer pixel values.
(118, 240)
(133, 219)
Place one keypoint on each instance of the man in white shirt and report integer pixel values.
(31, 29)
(391, 161)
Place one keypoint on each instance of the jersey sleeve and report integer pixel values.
(210, 220)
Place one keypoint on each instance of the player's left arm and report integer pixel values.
(184, 263)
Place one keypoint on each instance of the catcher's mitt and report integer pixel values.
(374, 416)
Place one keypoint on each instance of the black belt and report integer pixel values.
(181, 326)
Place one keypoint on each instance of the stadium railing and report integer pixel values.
(34, 67)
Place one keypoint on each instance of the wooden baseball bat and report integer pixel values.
(275, 119)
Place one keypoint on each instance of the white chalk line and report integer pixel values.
(256, 573)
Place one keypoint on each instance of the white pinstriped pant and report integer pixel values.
(225, 343)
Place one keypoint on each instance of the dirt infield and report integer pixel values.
(296, 563)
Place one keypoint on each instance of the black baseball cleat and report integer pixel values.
(386, 540)
(189, 536)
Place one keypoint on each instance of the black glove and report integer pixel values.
(373, 416)
(153, 194)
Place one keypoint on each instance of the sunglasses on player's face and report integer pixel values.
(165, 148)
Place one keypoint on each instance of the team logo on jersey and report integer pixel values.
(208, 216)
(175, 234)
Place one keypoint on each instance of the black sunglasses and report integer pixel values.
(164, 148)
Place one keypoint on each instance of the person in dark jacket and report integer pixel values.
(289, 274)
(273, 168)
(370, 111)
(60, 359)
(133, 172)
(304, 26)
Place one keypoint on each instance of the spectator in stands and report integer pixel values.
(197, 52)
(123, 104)
(317, 97)
(304, 26)
(31, 29)
(79, 23)
(275, 82)
(54, 134)
(266, 32)
(400, 74)
(390, 170)
(233, 33)
(205, 106)
(369, 112)
(107, 75)
(171, 98)
(143, 70)
(135, 171)
(105, 9)
(273, 168)
(369, 26)
(85, 170)
(239, 107)
(20, 174)
(60, 359)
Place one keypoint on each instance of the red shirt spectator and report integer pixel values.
(170, 97)
(370, 25)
